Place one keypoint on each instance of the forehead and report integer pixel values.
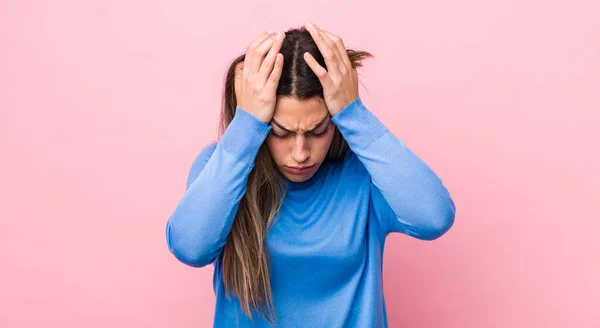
(299, 114)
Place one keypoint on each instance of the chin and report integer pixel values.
(298, 178)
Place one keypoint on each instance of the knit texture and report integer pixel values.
(326, 244)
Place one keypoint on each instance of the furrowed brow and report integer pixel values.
(314, 128)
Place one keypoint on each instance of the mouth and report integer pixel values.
(299, 169)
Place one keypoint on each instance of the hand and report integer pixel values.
(340, 80)
(256, 80)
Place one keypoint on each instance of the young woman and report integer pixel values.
(293, 204)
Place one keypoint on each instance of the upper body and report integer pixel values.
(326, 244)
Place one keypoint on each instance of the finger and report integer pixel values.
(255, 43)
(260, 39)
(267, 65)
(273, 80)
(257, 55)
(325, 49)
(338, 56)
(342, 52)
(319, 71)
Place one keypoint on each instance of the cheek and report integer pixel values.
(328, 141)
(276, 148)
(321, 145)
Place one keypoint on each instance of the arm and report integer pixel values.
(198, 228)
(407, 194)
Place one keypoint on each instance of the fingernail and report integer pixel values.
(309, 25)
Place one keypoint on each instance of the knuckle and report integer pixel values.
(259, 51)
(264, 98)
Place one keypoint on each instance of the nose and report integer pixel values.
(300, 149)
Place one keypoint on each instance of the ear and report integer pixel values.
(238, 77)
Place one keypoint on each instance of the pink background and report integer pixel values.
(105, 104)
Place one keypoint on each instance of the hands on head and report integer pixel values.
(257, 77)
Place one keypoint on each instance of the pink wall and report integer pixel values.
(104, 105)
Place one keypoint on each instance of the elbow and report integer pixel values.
(186, 250)
(184, 255)
(440, 222)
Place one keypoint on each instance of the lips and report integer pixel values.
(299, 169)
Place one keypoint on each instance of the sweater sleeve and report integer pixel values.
(197, 229)
(409, 197)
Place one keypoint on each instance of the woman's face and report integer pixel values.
(301, 136)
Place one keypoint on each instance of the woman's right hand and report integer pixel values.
(257, 77)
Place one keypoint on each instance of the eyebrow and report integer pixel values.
(316, 126)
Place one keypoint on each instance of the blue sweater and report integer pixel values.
(326, 245)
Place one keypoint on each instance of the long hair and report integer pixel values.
(245, 258)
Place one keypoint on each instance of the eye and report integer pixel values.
(320, 134)
(315, 134)
(279, 136)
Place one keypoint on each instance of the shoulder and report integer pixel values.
(200, 161)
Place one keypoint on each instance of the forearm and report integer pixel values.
(198, 228)
(418, 198)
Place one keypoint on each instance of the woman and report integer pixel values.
(293, 204)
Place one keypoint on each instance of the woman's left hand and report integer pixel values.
(340, 80)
